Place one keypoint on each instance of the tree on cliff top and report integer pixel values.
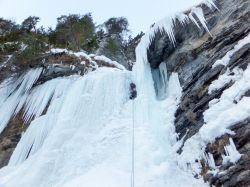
(74, 31)
(29, 24)
(117, 26)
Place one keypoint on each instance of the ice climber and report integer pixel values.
(133, 92)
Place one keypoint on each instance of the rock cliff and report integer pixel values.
(193, 57)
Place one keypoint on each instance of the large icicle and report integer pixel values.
(232, 155)
(40, 97)
(12, 104)
(167, 24)
(52, 92)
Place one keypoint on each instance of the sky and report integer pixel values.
(140, 13)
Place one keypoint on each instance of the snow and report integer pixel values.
(91, 58)
(232, 155)
(226, 59)
(58, 50)
(218, 119)
(110, 62)
(225, 78)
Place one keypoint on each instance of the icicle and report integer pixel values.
(183, 19)
(14, 102)
(210, 160)
(232, 155)
(41, 96)
(199, 13)
(167, 24)
(191, 17)
(210, 4)
(33, 139)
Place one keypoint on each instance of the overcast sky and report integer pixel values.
(140, 13)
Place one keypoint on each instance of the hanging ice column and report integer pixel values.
(160, 77)
(13, 95)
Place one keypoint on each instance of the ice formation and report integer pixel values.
(13, 96)
(232, 155)
(167, 24)
(160, 77)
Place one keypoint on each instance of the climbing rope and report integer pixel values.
(133, 95)
(133, 147)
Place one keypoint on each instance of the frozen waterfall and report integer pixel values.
(84, 137)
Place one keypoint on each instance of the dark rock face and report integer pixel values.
(195, 53)
(10, 137)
